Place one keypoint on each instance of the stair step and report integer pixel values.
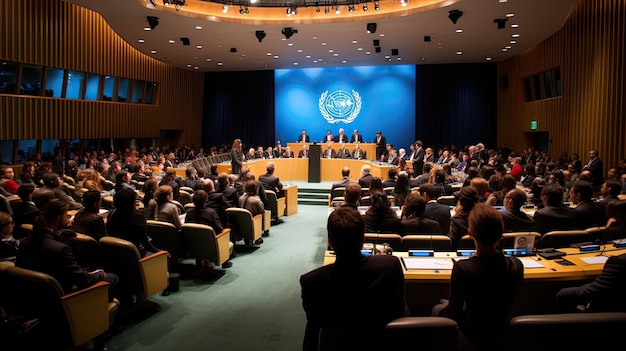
(314, 191)
(313, 202)
(313, 196)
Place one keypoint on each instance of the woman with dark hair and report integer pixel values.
(250, 200)
(506, 184)
(379, 217)
(376, 185)
(124, 221)
(236, 156)
(412, 220)
(401, 190)
(28, 172)
(149, 204)
(529, 175)
(468, 197)
(166, 211)
(201, 214)
(472, 172)
(88, 220)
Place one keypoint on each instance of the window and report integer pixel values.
(30, 83)
(138, 86)
(547, 84)
(544, 85)
(48, 148)
(75, 85)
(26, 150)
(108, 88)
(6, 151)
(93, 87)
(8, 77)
(151, 93)
(54, 82)
(122, 91)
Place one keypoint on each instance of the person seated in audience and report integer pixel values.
(514, 219)
(138, 172)
(605, 294)
(390, 182)
(517, 170)
(412, 219)
(8, 244)
(329, 152)
(88, 220)
(28, 173)
(482, 287)
(609, 191)
(529, 176)
(122, 181)
(225, 187)
(588, 212)
(459, 223)
(336, 295)
(148, 201)
(191, 179)
(250, 200)
(24, 211)
(270, 181)
(481, 186)
(166, 211)
(170, 178)
(554, 215)
(345, 179)
(440, 185)
(434, 210)
(423, 178)
(53, 182)
(380, 217)
(6, 180)
(352, 195)
(366, 178)
(202, 214)
(401, 190)
(124, 221)
(375, 186)
(506, 184)
(615, 228)
(216, 200)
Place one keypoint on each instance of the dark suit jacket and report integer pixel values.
(590, 214)
(389, 183)
(555, 218)
(440, 213)
(332, 152)
(271, 182)
(517, 221)
(230, 193)
(419, 225)
(23, 212)
(301, 153)
(342, 183)
(207, 216)
(366, 180)
(336, 295)
(341, 138)
(394, 161)
(387, 223)
(343, 153)
(459, 225)
(597, 172)
(218, 202)
(325, 138)
(306, 138)
(361, 155)
(355, 138)
(380, 146)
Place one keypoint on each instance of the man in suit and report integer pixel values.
(595, 168)
(434, 210)
(217, 200)
(328, 138)
(381, 143)
(356, 137)
(345, 179)
(393, 157)
(53, 182)
(24, 211)
(335, 295)
(605, 293)
(343, 152)
(588, 213)
(270, 153)
(303, 137)
(609, 191)
(390, 182)
(514, 219)
(341, 138)
(554, 216)
(429, 157)
(304, 153)
(358, 153)
(225, 187)
(329, 152)
(418, 162)
(270, 181)
(423, 178)
(366, 178)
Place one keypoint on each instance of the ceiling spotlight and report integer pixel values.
(371, 27)
(351, 8)
(153, 21)
(326, 10)
(288, 32)
(260, 34)
(376, 5)
(153, 2)
(501, 22)
(317, 9)
(454, 15)
(365, 8)
(224, 8)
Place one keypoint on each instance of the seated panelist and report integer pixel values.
(303, 138)
(343, 152)
(328, 138)
(358, 153)
(356, 137)
(329, 152)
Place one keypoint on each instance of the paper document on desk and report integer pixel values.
(427, 263)
(532, 264)
(595, 259)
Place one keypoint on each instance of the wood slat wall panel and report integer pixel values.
(590, 52)
(60, 34)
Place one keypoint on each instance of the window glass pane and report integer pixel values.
(93, 86)
(528, 96)
(6, 151)
(54, 82)
(48, 148)
(75, 84)
(31, 80)
(109, 85)
(537, 87)
(26, 150)
(122, 91)
(151, 93)
(557, 82)
(8, 77)
(138, 86)
(547, 83)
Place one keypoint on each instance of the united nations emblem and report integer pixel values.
(340, 106)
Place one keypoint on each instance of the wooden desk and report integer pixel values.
(291, 199)
(331, 169)
(369, 148)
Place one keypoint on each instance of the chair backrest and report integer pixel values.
(573, 331)
(508, 239)
(184, 197)
(365, 201)
(166, 237)
(122, 258)
(5, 206)
(87, 251)
(242, 223)
(437, 242)
(337, 192)
(564, 238)
(107, 202)
(187, 189)
(394, 240)
(449, 200)
(421, 333)
(203, 243)
(272, 203)
(467, 242)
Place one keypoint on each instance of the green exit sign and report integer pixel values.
(533, 125)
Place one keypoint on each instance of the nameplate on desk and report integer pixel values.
(620, 244)
(412, 263)
(586, 248)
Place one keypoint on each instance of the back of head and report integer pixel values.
(208, 185)
(583, 189)
(429, 190)
(161, 195)
(553, 194)
(352, 193)
(222, 179)
(479, 185)
(345, 172)
(414, 205)
(380, 204)
(508, 182)
(376, 185)
(427, 168)
(468, 197)
(393, 171)
(26, 189)
(614, 187)
(365, 169)
(124, 200)
(50, 179)
(270, 167)
(440, 176)
(346, 229)
(51, 213)
(41, 196)
(518, 196)
(199, 198)
(402, 184)
(250, 187)
(485, 224)
(91, 199)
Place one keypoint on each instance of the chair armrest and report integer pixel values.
(154, 272)
(280, 205)
(87, 312)
(258, 226)
(223, 246)
(267, 219)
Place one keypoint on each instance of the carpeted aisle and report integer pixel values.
(254, 306)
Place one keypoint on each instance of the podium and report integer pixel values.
(315, 155)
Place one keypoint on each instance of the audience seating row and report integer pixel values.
(204, 163)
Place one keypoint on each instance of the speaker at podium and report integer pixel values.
(315, 154)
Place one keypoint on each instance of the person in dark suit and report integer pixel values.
(52, 181)
(270, 181)
(605, 293)
(595, 168)
(609, 192)
(227, 190)
(390, 182)
(202, 214)
(343, 152)
(418, 163)
(341, 137)
(616, 224)
(358, 153)
(434, 210)
(413, 220)
(25, 211)
(381, 143)
(329, 152)
(304, 153)
(328, 138)
(514, 219)
(334, 296)
(356, 137)
(236, 156)
(303, 137)
(393, 158)
(345, 179)
(366, 178)
(379, 217)
(588, 213)
(554, 216)
(483, 287)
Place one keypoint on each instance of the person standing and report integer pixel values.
(381, 143)
(418, 163)
(236, 156)
(595, 168)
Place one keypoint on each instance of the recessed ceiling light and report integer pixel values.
(367, 53)
(354, 42)
(314, 38)
(502, 0)
(344, 61)
(423, 58)
(220, 63)
(381, 35)
(359, 49)
(197, 57)
(515, 26)
(195, 67)
(208, 60)
(283, 39)
(295, 63)
(198, 27)
(510, 14)
(153, 51)
(505, 49)
(508, 46)
(488, 58)
(141, 40)
(189, 65)
(331, 50)
(459, 52)
(335, 54)
(323, 44)
(300, 50)
(171, 41)
(515, 35)
(308, 56)
(399, 59)
(290, 44)
(275, 56)
(269, 54)
(198, 46)
(459, 30)
(314, 61)
(387, 57)
(513, 42)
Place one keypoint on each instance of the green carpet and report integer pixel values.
(255, 305)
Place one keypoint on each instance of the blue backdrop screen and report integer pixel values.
(367, 98)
